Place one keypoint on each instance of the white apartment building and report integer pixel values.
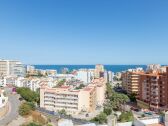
(108, 76)
(85, 75)
(3, 99)
(64, 76)
(33, 84)
(30, 68)
(153, 67)
(11, 68)
(51, 72)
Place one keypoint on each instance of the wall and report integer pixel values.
(4, 110)
(146, 122)
(125, 124)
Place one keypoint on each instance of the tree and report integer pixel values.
(80, 86)
(109, 91)
(33, 124)
(28, 95)
(107, 110)
(132, 97)
(60, 83)
(62, 112)
(101, 118)
(49, 125)
(126, 117)
(31, 104)
(114, 100)
(24, 109)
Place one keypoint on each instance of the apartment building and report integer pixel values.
(3, 103)
(153, 67)
(99, 70)
(151, 86)
(85, 75)
(30, 69)
(108, 76)
(73, 101)
(100, 85)
(3, 99)
(153, 89)
(51, 72)
(130, 80)
(11, 68)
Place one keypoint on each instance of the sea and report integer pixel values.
(113, 68)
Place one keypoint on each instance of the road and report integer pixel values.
(12, 114)
(54, 116)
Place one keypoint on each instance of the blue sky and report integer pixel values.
(84, 31)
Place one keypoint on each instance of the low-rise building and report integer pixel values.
(51, 72)
(3, 103)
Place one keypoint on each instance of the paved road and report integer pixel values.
(13, 110)
(55, 116)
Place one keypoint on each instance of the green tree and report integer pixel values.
(31, 104)
(80, 86)
(107, 110)
(101, 118)
(126, 117)
(62, 112)
(132, 97)
(28, 95)
(49, 125)
(33, 124)
(114, 100)
(60, 83)
(24, 109)
(109, 91)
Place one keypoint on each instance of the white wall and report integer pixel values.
(146, 122)
(125, 124)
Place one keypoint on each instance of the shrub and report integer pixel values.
(32, 105)
(28, 95)
(107, 111)
(33, 124)
(101, 118)
(143, 115)
(24, 109)
(126, 117)
(62, 112)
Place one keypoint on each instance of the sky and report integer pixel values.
(84, 31)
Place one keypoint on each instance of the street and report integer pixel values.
(13, 110)
(55, 116)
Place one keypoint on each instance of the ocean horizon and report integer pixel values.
(113, 68)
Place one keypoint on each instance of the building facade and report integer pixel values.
(73, 101)
(130, 80)
(85, 75)
(153, 89)
(11, 68)
(99, 70)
